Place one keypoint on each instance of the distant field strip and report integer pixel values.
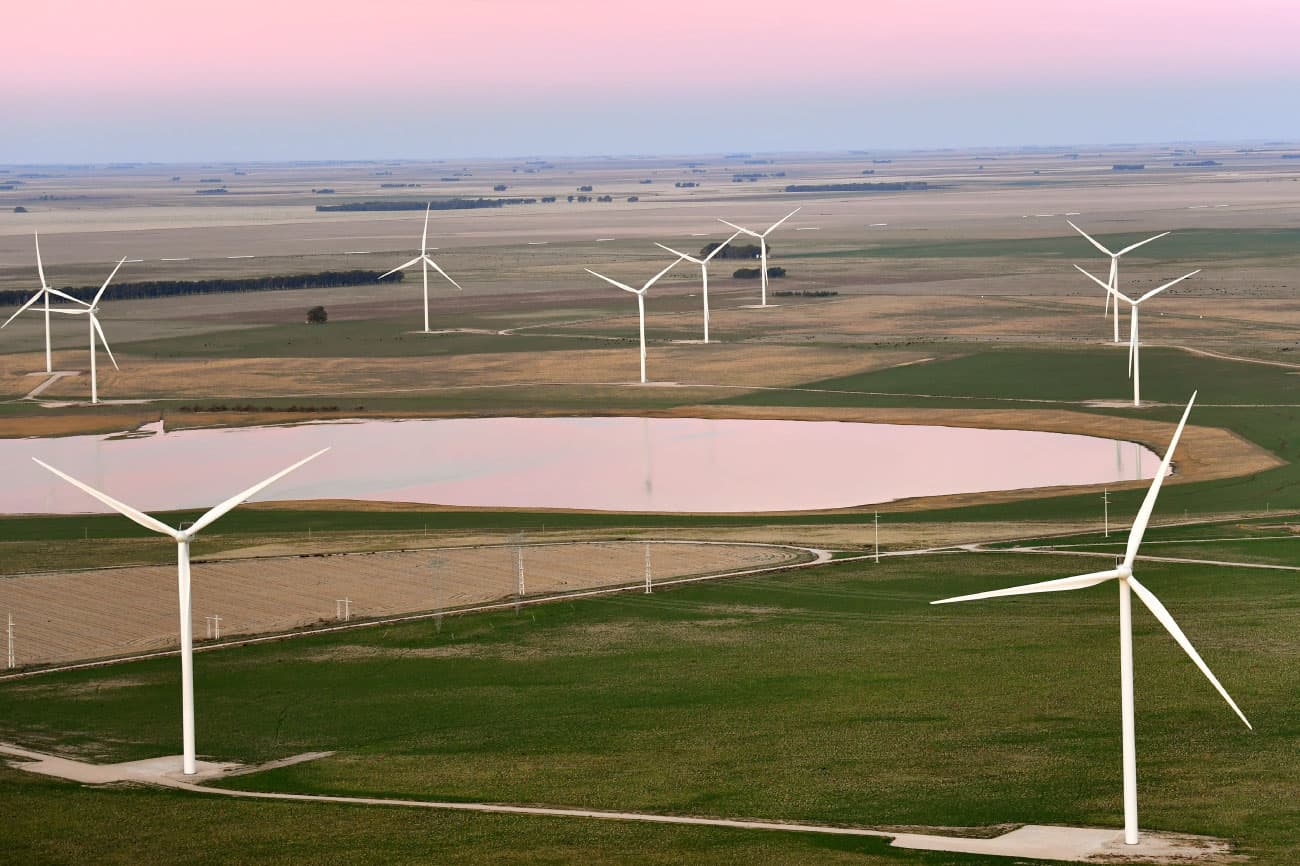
(71, 616)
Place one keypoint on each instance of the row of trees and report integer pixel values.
(893, 186)
(734, 251)
(755, 273)
(445, 204)
(173, 288)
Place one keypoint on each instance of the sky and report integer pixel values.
(142, 80)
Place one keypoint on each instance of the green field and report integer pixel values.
(837, 695)
(1184, 245)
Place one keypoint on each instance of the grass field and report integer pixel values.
(835, 696)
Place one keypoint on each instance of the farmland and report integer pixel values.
(832, 694)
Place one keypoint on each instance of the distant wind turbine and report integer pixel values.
(425, 263)
(762, 243)
(1114, 266)
(183, 537)
(640, 301)
(1133, 343)
(91, 311)
(1127, 583)
(43, 292)
(704, 273)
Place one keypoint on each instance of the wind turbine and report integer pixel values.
(640, 301)
(90, 310)
(1133, 344)
(1114, 266)
(704, 273)
(762, 243)
(43, 292)
(1128, 583)
(183, 538)
(425, 261)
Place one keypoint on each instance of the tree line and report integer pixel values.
(892, 186)
(446, 204)
(172, 288)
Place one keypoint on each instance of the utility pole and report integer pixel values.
(647, 570)
(877, 521)
(1105, 511)
(343, 609)
(216, 627)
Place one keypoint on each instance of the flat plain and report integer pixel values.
(834, 694)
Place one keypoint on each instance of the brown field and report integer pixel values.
(63, 617)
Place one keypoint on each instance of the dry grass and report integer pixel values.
(61, 617)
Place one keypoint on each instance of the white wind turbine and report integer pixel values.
(43, 292)
(1133, 344)
(762, 243)
(183, 538)
(704, 273)
(1128, 583)
(640, 301)
(1114, 267)
(425, 262)
(90, 311)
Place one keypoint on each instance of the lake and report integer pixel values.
(616, 464)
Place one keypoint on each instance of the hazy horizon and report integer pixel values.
(145, 81)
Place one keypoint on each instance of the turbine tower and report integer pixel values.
(1128, 585)
(1133, 344)
(762, 243)
(704, 273)
(425, 263)
(91, 311)
(183, 537)
(44, 293)
(640, 301)
(1114, 266)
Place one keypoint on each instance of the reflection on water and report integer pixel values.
(625, 464)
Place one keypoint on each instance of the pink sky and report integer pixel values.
(253, 79)
(472, 47)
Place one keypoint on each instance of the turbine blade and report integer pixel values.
(424, 238)
(1104, 285)
(614, 283)
(1090, 238)
(720, 247)
(1132, 247)
(739, 229)
(1144, 513)
(1079, 581)
(217, 512)
(1132, 339)
(1167, 620)
(414, 261)
(33, 299)
(104, 287)
(68, 297)
(40, 268)
(122, 508)
(691, 259)
(1160, 289)
(656, 277)
(773, 226)
(444, 273)
(98, 330)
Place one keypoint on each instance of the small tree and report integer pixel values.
(317, 316)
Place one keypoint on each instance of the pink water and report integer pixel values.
(619, 464)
